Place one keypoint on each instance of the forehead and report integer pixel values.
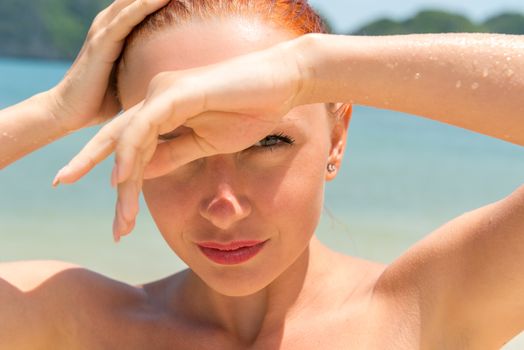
(193, 44)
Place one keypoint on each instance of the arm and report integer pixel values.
(468, 275)
(26, 127)
(473, 81)
(36, 296)
(85, 96)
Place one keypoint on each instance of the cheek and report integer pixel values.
(170, 205)
(292, 199)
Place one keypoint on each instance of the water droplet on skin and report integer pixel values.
(5, 134)
(458, 84)
(392, 65)
(417, 76)
(497, 63)
(485, 73)
(508, 59)
(475, 86)
(509, 73)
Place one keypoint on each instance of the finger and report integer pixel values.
(127, 206)
(129, 192)
(129, 16)
(110, 12)
(173, 154)
(128, 199)
(96, 150)
(141, 132)
(117, 6)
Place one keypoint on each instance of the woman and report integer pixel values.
(226, 119)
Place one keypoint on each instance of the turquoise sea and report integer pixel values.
(403, 177)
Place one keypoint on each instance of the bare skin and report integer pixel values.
(460, 287)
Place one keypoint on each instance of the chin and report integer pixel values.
(236, 284)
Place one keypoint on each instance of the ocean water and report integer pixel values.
(403, 177)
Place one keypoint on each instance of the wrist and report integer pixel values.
(303, 51)
(49, 103)
(321, 59)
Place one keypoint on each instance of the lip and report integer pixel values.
(231, 253)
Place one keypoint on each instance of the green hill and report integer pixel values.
(45, 28)
(55, 29)
(435, 21)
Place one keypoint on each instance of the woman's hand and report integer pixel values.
(85, 96)
(225, 108)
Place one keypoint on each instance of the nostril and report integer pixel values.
(223, 206)
(225, 210)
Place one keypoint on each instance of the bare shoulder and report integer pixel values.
(52, 278)
(36, 298)
(466, 277)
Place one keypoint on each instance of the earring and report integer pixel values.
(331, 168)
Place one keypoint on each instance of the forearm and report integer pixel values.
(26, 127)
(473, 81)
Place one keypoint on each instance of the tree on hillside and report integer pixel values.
(45, 28)
(434, 21)
(56, 28)
(508, 23)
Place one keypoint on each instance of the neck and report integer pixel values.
(249, 317)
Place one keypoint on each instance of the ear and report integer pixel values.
(338, 139)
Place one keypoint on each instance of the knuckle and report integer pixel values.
(99, 18)
(91, 161)
(123, 14)
(144, 4)
(96, 41)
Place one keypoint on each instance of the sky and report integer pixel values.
(348, 15)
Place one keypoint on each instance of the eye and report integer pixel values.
(271, 142)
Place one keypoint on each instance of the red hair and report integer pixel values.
(293, 15)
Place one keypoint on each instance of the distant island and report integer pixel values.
(436, 21)
(55, 29)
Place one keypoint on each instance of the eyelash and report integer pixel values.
(281, 138)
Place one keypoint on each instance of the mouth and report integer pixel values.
(232, 253)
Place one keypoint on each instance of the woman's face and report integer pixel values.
(261, 193)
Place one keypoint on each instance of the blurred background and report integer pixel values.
(402, 178)
(55, 29)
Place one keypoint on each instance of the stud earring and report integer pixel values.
(331, 168)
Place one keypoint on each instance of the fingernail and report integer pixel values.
(116, 235)
(124, 227)
(60, 173)
(125, 210)
(56, 181)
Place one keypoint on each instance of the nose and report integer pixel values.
(225, 208)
